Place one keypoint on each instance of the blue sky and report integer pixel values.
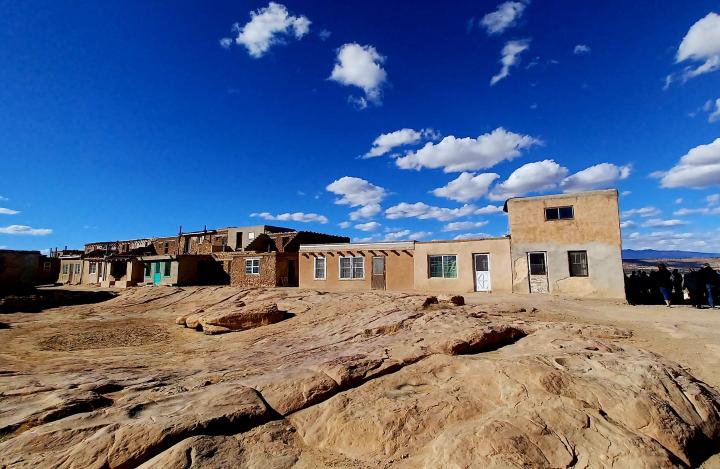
(127, 119)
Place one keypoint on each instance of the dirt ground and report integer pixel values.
(114, 365)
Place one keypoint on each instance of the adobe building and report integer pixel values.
(19, 270)
(71, 264)
(567, 244)
(357, 266)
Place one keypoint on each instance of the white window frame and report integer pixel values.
(324, 274)
(251, 260)
(77, 268)
(92, 268)
(442, 266)
(66, 269)
(352, 268)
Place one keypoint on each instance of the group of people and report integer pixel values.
(695, 287)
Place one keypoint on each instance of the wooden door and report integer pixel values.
(537, 272)
(378, 273)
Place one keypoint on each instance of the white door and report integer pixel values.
(482, 272)
(537, 272)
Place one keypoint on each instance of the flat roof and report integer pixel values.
(561, 196)
(489, 238)
(391, 245)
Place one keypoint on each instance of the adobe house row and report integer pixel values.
(566, 244)
(255, 256)
(22, 270)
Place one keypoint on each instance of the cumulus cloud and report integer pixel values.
(644, 212)
(697, 211)
(660, 222)
(424, 211)
(531, 177)
(600, 176)
(267, 27)
(581, 49)
(506, 15)
(367, 211)
(344, 224)
(355, 191)
(455, 154)
(714, 110)
(509, 57)
(627, 224)
(394, 235)
(8, 211)
(360, 66)
(295, 216)
(369, 226)
(24, 230)
(466, 187)
(386, 142)
(472, 236)
(701, 46)
(463, 225)
(489, 209)
(699, 168)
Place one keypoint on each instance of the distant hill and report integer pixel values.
(654, 254)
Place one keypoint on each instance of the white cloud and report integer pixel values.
(505, 16)
(472, 236)
(369, 226)
(644, 212)
(466, 187)
(386, 142)
(357, 192)
(700, 167)
(600, 176)
(296, 216)
(660, 222)
(463, 225)
(24, 230)
(695, 211)
(531, 177)
(701, 44)
(367, 211)
(713, 199)
(714, 115)
(625, 193)
(509, 57)
(8, 211)
(424, 212)
(627, 224)
(269, 26)
(226, 42)
(581, 49)
(344, 224)
(360, 66)
(467, 154)
(679, 200)
(489, 209)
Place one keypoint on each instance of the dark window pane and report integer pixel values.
(551, 213)
(435, 266)
(565, 213)
(578, 263)
(537, 264)
(167, 269)
(481, 263)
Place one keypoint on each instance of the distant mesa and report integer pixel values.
(638, 254)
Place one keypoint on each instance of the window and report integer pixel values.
(537, 263)
(166, 272)
(319, 268)
(47, 266)
(147, 268)
(66, 269)
(251, 235)
(166, 247)
(92, 268)
(578, 263)
(352, 267)
(559, 213)
(77, 268)
(252, 266)
(442, 266)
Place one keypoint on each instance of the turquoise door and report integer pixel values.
(157, 275)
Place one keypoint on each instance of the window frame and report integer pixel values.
(557, 210)
(66, 269)
(315, 268)
(571, 263)
(147, 269)
(252, 261)
(352, 267)
(167, 269)
(92, 268)
(442, 266)
(77, 268)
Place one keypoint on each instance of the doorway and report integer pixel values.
(378, 273)
(157, 275)
(482, 272)
(291, 275)
(537, 272)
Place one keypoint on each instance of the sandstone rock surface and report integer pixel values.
(349, 380)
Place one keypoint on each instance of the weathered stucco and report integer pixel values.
(499, 253)
(595, 228)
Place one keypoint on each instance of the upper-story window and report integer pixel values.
(559, 213)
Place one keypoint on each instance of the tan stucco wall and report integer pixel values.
(500, 272)
(595, 228)
(73, 279)
(398, 271)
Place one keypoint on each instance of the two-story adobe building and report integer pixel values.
(566, 244)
